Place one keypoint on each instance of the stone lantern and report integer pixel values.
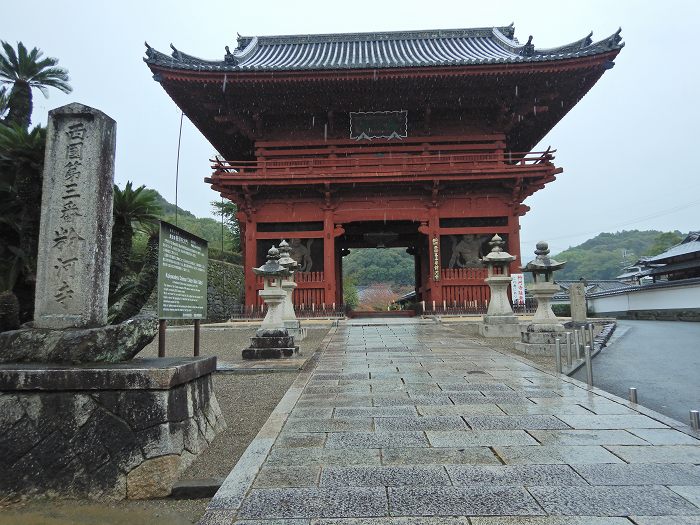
(539, 336)
(289, 317)
(272, 340)
(542, 268)
(499, 321)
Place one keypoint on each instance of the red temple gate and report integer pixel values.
(415, 139)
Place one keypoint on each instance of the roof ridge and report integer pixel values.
(374, 35)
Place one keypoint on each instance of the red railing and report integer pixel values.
(464, 274)
(377, 166)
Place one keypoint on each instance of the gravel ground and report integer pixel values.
(246, 401)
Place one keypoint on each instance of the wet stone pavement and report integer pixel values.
(408, 423)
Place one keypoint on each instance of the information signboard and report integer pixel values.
(182, 274)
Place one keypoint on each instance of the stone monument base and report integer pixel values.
(540, 338)
(104, 431)
(105, 344)
(295, 330)
(499, 326)
(271, 344)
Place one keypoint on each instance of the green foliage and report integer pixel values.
(663, 242)
(25, 70)
(561, 310)
(21, 165)
(133, 208)
(4, 102)
(604, 256)
(206, 227)
(351, 298)
(392, 266)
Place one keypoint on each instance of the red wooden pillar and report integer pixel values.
(514, 241)
(251, 250)
(329, 268)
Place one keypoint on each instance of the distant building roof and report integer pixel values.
(688, 248)
(442, 47)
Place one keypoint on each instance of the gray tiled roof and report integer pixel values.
(689, 246)
(451, 47)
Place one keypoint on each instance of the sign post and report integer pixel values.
(182, 280)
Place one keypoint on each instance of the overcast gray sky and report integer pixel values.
(627, 148)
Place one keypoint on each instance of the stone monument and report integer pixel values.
(499, 321)
(577, 296)
(272, 339)
(70, 315)
(111, 427)
(538, 337)
(291, 323)
(76, 221)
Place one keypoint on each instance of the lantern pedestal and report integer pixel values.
(499, 321)
(539, 336)
(289, 318)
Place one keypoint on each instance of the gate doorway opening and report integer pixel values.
(379, 266)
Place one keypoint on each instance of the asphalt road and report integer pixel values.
(660, 358)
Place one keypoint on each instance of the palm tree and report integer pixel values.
(132, 208)
(4, 102)
(27, 70)
(21, 166)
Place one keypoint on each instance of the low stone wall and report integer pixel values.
(104, 431)
(225, 289)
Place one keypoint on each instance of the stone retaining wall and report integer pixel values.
(104, 432)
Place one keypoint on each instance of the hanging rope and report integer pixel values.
(177, 164)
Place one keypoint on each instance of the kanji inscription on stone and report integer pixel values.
(76, 219)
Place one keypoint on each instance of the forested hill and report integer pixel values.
(204, 227)
(604, 256)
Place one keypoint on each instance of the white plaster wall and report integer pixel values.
(654, 299)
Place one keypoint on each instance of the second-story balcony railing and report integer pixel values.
(382, 165)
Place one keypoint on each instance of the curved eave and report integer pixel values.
(162, 72)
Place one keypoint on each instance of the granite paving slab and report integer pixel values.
(666, 520)
(461, 501)
(664, 436)
(328, 425)
(298, 476)
(420, 423)
(586, 437)
(658, 453)
(313, 503)
(487, 438)
(640, 474)
(610, 421)
(384, 412)
(612, 501)
(384, 476)
(407, 424)
(553, 454)
(691, 493)
(549, 520)
(439, 456)
(376, 440)
(514, 475)
(459, 410)
(527, 422)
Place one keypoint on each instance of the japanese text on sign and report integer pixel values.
(182, 274)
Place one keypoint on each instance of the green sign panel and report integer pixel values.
(182, 274)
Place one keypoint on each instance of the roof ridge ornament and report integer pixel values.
(615, 39)
(528, 49)
(229, 58)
